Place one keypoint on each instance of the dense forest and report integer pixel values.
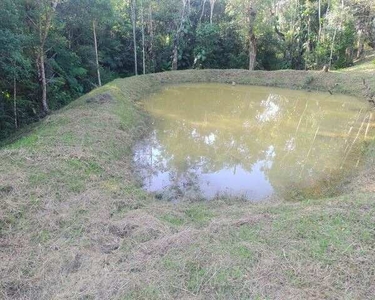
(53, 51)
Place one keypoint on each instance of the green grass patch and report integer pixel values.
(147, 292)
(242, 252)
(88, 167)
(173, 219)
(25, 142)
(198, 214)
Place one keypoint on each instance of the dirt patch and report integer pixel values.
(74, 265)
(252, 220)
(17, 290)
(139, 225)
(5, 190)
(160, 247)
(100, 99)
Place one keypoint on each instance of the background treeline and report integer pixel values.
(52, 51)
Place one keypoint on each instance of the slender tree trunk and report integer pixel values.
(43, 80)
(360, 44)
(96, 53)
(320, 16)
(308, 34)
(15, 102)
(70, 39)
(44, 84)
(212, 6)
(332, 46)
(202, 12)
(188, 7)
(143, 41)
(323, 35)
(252, 52)
(334, 35)
(175, 56)
(151, 50)
(320, 28)
(177, 37)
(44, 27)
(133, 9)
(252, 13)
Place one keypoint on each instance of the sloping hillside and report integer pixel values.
(75, 223)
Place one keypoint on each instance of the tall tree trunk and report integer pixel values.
(15, 102)
(252, 52)
(175, 55)
(335, 33)
(320, 16)
(151, 31)
(202, 12)
(133, 10)
(212, 6)
(96, 53)
(188, 7)
(42, 79)
(332, 46)
(360, 44)
(323, 35)
(252, 13)
(320, 28)
(308, 49)
(44, 27)
(143, 41)
(177, 37)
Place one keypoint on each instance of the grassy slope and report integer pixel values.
(74, 224)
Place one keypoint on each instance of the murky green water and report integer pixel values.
(212, 139)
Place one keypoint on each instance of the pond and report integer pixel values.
(210, 140)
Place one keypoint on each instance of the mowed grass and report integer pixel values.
(365, 64)
(76, 224)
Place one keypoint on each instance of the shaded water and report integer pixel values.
(253, 142)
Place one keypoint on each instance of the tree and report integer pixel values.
(249, 15)
(96, 52)
(143, 40)
(41, 17)
(212, 6)
(179, 29)
(134, 26)
(84, 24)
(14, 63)
(252, 13)
(151, 34)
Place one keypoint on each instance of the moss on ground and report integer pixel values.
(75, 223)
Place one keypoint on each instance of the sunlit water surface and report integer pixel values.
(253, 142)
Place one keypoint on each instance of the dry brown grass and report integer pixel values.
(75, 224)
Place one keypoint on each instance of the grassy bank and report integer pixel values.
(75, 224)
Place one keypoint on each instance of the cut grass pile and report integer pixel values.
(76, 224)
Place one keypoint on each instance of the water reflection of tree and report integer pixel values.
(213, 135)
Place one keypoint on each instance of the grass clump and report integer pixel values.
(198, 214)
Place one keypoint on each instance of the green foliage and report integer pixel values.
(207, 50)
(345, 47)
